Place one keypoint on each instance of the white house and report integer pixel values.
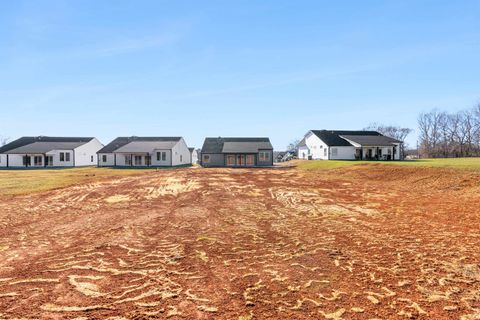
(145, 152)
(194, 154)
(348, 145)
(48, 152)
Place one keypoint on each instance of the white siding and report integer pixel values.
(194, 155)
(181, 154)
(56, 158)
(109, 157)
(162, 163)
(303, 152)
(316, 146)
(342, 153)
(86, 154)
(3, 160)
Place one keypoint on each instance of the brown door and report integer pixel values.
(240, 160)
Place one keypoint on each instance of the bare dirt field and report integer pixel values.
(362, 242)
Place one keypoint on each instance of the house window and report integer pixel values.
(67, 156)
(325, 152)
(62, 156)
(206, 158)
(181, 158)
(128, 160)
(148, 160)
(264, 156)
(37, 160)
(162, 156)
(91, 158)
(104, 158)
(334, 152)
(230, 160)
(138, 160)
(250, 160)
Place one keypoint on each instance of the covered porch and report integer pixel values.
(385, 153)
(30, 160)
(137, 159)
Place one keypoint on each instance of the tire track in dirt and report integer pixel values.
(245, 244)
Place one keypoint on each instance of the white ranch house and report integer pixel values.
(348, 145)
(49, 152)
(145, 152)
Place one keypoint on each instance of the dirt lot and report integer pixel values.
(363, 242)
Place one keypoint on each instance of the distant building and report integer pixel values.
(48, 152)
(145, 152)
(237, 152)
(348, 145)
(278, 156)
(194, 155)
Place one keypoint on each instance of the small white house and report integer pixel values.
(48, 152)
(194, 155)
(145, 152)
(348, 145)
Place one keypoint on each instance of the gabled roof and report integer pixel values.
(120, 142)
(369, 141)
(236, 145)
(42, 144)
(333, 137)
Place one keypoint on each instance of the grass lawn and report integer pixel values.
(457, 163)
(14, 182)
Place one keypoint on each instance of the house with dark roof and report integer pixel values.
(237, 152)
(49, 152)
(145, 152)
(348, 145)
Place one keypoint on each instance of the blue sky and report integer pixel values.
(232, 68)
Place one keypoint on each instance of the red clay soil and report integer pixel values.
(366, 242)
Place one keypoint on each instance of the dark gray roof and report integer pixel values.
(41, 143)
(122, 141)
(232, 145)
(368, 141)
(333, 137)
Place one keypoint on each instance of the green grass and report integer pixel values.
(456, 163)
(15, 182)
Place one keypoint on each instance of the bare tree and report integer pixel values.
(3, 140)
(395, 132)
(444, 134)
(293, 145)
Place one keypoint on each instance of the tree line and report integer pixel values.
(444, 135)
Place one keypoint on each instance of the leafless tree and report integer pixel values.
(395, 132)
(293, 145)
(3, 140)
(443, 134)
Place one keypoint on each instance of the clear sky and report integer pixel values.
(232, 68)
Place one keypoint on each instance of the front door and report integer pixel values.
(148, 160)
(240, 160)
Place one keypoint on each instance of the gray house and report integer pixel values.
(237, 152)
